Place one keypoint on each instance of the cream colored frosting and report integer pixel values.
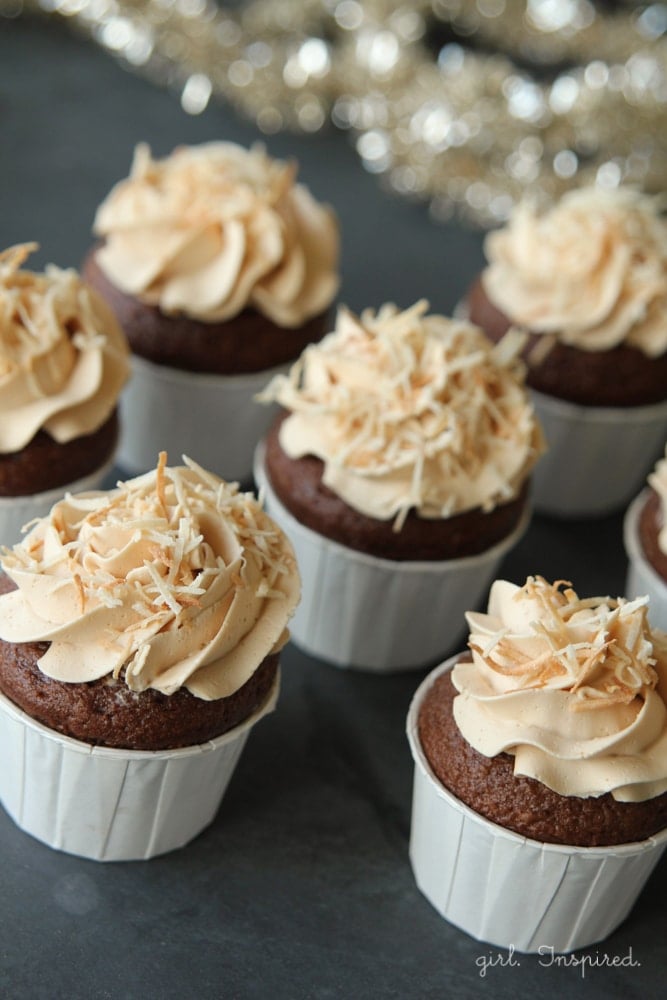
(573, 688)
(213, 229)
(63, 357)
(409, 410)
(658, 480)
(174, 579)
(591, 272)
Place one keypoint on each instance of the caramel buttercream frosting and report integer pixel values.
(590, 272)
(411, 411)
(213, 229)
(174, 579)
(63, 356)
(573, 688)
(658, 480)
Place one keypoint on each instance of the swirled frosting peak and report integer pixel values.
(63, 357)
(574, 688)
(658, 480)
(411, 411)
(213, 229)
(592, 271)
(174, 579)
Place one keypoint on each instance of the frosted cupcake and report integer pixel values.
(140, 632)
(400, 471)
(541, 761)
(645, 534)
(588, 280)
(63, 362)
(220, 268)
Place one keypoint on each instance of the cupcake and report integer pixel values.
(588, 281)
(400, 469)
(140, 632)
(541, 761)
(63, 362)
(645, 535)
(220, 269)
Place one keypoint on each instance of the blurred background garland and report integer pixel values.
(466, 104)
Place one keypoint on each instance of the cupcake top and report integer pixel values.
(63, 357)
(592, 271)
(411, 411)
(658, 480)
(573, 688)
(213, 229)
(174, 579)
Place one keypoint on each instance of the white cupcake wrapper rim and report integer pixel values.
(468, 868)
(111, 804)
(16, 512)
(214, 419)
(642, 579)
(381, 615)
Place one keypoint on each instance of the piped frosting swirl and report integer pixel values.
(411, 411)
(63, 356)
(573, 688)
(591, 272)
(174, 579)
(216, 228)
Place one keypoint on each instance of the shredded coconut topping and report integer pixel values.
(572, 687)
(597, 649)
(63, 358)
(410, 411)
(178, 565)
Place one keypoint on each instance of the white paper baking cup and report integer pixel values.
(113, 805)
(505, 889)
(375, 614)
(213, 419)
(597, 458)
(642, 578)
(15, 512)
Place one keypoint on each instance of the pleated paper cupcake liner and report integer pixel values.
(508, 890)
(374, 614)
(642, 579)
(213, 419)
(597, 457)
(108, 804)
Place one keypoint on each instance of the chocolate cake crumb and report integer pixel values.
(489, 787)
(106, 713)
(298, 485)
(44, 464)
(248, 342)
(621, 376)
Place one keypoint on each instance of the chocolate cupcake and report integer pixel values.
(140, 629)
(220, 269)
(401, 467)
(63, 360)
(547, 747)
(588, 281)
(645, 536)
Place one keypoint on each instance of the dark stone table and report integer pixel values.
(302, 886)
